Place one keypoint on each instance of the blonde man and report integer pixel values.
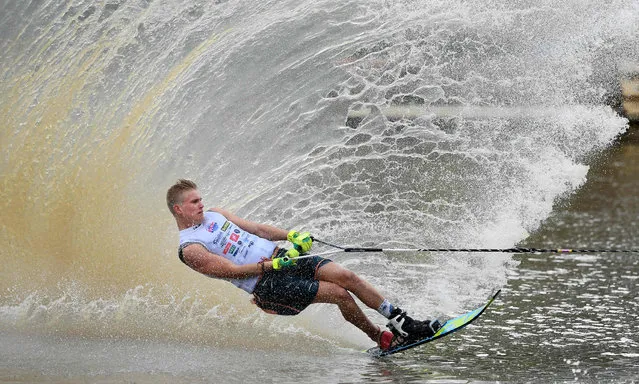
(219, 244)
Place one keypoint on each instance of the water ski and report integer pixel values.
(447, 328)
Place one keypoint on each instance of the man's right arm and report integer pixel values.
(210, 264)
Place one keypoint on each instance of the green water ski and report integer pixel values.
(447, 328)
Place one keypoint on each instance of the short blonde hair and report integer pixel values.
(175, 194)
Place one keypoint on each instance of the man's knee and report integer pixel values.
(333, 293)
(342, 295)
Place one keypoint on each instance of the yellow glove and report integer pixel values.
(302, 242)
(289, 260)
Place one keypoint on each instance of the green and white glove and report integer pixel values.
(289, 260)
(302, 242)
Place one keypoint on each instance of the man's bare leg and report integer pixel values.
(339, 282)
(332, 293)
(336, 274)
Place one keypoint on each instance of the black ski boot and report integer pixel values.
(409, 329)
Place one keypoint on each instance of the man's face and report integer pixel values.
(191, 208)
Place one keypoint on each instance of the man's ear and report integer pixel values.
(177, 208)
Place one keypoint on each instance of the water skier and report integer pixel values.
(219, 244)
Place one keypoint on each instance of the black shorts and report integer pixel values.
(289, 291)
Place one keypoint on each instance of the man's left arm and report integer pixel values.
(265, 231)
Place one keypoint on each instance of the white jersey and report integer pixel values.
(221, 237)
